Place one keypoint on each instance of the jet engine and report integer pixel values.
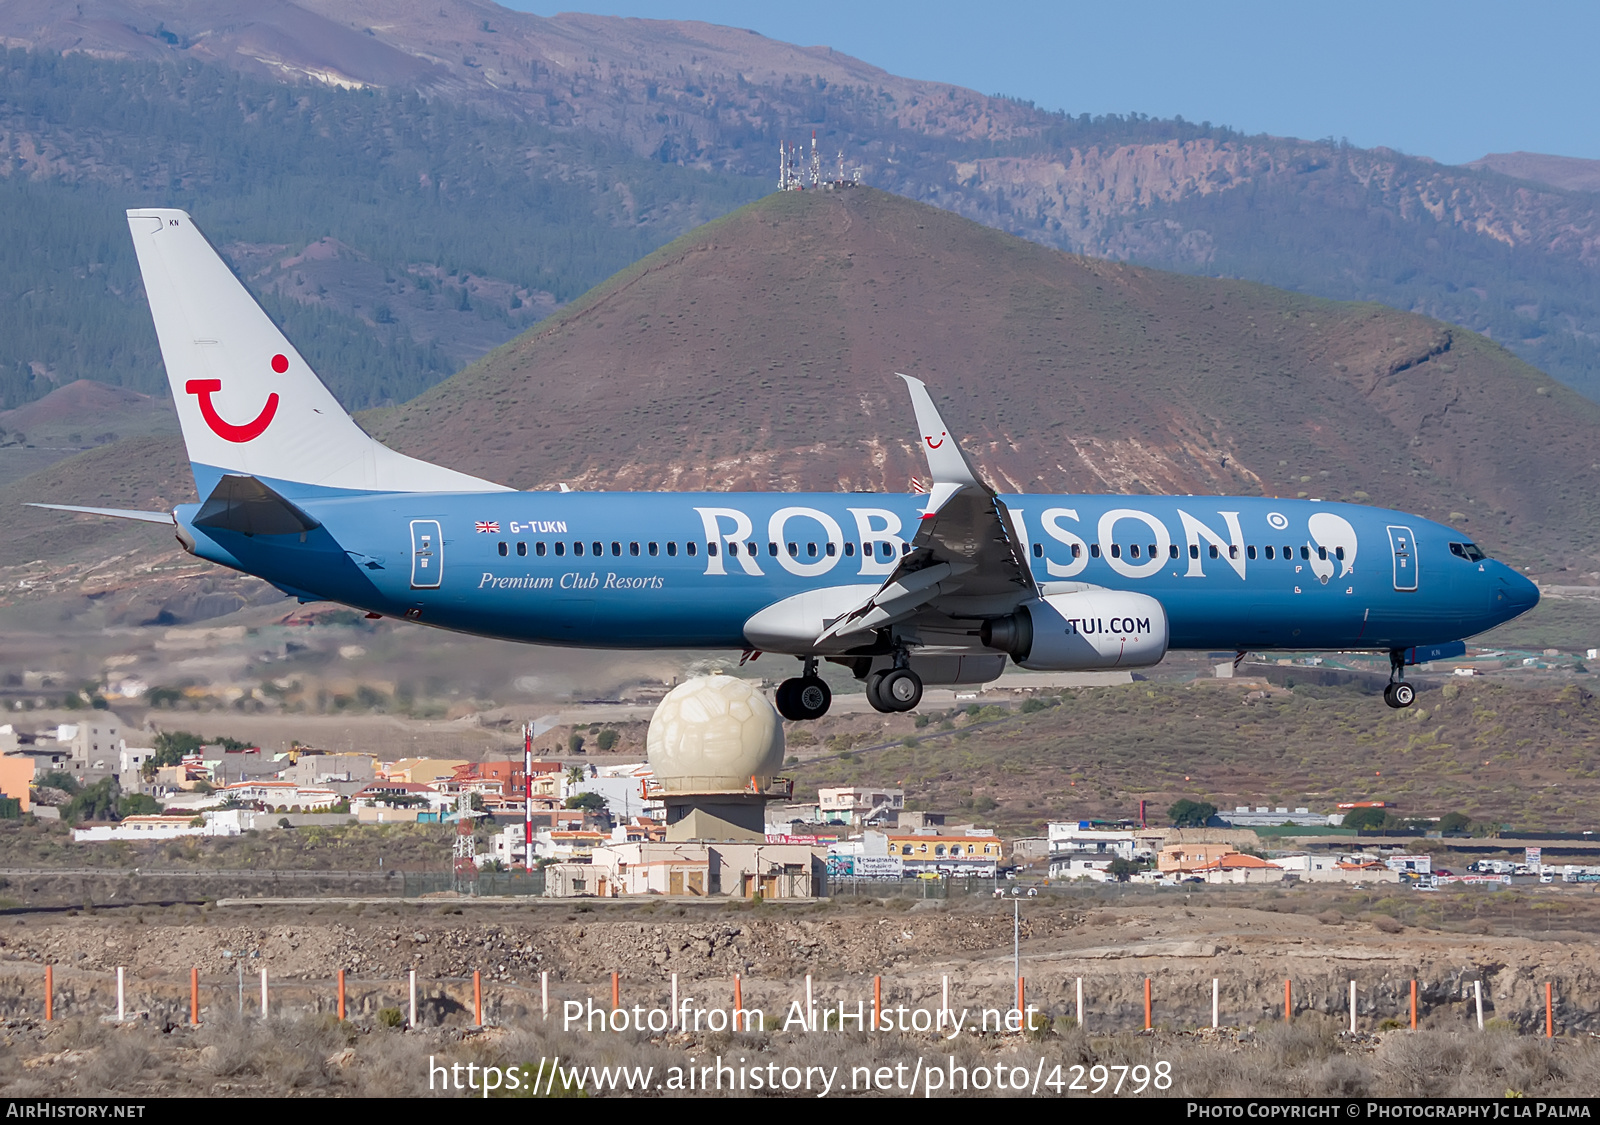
(1081, 631)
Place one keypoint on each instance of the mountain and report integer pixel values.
(759, 352)
(1568, 173)
(412, 134)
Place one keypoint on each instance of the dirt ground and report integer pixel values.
(1112, 939)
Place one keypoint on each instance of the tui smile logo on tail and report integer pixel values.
(203, 389)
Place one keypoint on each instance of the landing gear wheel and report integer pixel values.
(874, 680)
(1399, 694)
(900, 689)
(803, 698)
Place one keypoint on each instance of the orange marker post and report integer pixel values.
(1021, 1009)
(341, 994)
(877, 1000)
(49, 992)
(1147, 1023)
(1288, 1002)
(1549, 1012)
(1413, 1004)
(738, 1002)
(194, 996)
(477, 996)
(616, 991)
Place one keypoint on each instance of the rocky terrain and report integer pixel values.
(1113, 940)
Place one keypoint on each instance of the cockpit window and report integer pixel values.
(1469, 551)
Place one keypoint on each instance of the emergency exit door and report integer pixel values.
(427, 554)
(1404, 547)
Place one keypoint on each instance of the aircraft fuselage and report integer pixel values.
(632, 570)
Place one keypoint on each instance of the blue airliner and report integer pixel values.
(903, 590)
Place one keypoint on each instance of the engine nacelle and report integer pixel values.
(1082, 631)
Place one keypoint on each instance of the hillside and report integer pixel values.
(496, 155)
(759, 352)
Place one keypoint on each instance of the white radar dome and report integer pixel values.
(714, 733)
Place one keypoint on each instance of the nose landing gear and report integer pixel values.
(1398, 693)
(806, 696)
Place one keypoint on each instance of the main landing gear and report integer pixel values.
(805, 696)
(894, 689)
(1398, 693)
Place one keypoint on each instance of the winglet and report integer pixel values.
(946, 463)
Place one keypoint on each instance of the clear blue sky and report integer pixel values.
(1448, 80)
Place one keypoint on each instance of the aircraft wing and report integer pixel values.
(965, 558)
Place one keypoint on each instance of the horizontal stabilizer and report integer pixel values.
(245, 505)
(114, 513)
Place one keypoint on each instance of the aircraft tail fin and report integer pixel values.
(248, 402)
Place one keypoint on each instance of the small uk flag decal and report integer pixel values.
(488, 527)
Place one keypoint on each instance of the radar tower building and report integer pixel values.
(714, 745)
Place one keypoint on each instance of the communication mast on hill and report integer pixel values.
(794, 170)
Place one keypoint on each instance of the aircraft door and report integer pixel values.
(427, 554)
(1404, 546)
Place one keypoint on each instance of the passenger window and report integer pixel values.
(1212, 550)
(1269, 552)
(502, 550)
(538, 548)
(1038, 550)
(1305, 552)
(1094, 550)
(672, 549)
(1250, 552)
(905, 548)
(1322, 553)
(616, 549)
(689, 548)
(577, 548)
(849, 550)
(794, 550)
(561, 549)
(772, 548)
(599, 548)
(1077, 551)
(752, 550)
(1233, 551)
(1116, 551)
(1172, 551)
(522, 548)
(711, 549)
(633, 548)
(1152, 550)
(1338, 553)
(1194, 550)
(652, 548)
(1288, 552)
(832, 550)
(811, 550)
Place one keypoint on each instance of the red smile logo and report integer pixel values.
(931, 443)
(203, 389)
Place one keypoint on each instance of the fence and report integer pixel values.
(487, 883)
(1099, 1005)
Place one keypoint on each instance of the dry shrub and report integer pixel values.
(1331, 918)
(117, 1067)
(1387, 924)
